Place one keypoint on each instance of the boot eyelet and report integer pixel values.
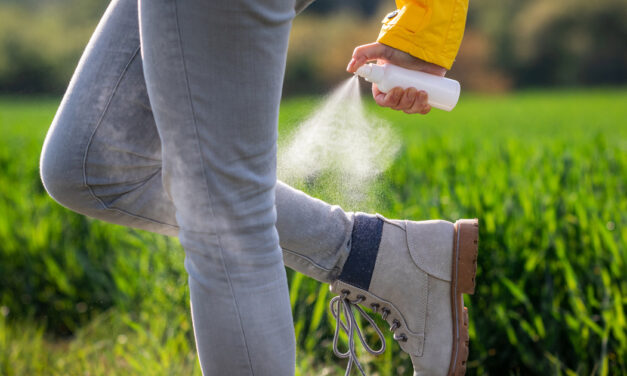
(375, 307)
(360, 299)
(395, 325)
(402, 337)
(385, 313)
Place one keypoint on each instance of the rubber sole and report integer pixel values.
(465, 249)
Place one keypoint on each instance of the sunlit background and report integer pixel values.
(536, 149)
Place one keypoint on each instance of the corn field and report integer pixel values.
(545, 173)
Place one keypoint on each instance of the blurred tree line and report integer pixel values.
(508, 43)
(41, 42)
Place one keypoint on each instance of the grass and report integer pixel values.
(546, 173)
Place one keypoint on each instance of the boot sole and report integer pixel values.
(465, 249)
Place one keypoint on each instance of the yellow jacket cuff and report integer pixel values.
(431, 30)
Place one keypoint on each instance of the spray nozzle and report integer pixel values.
(370, 72)
(364, 70)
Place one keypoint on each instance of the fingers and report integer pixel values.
(407, 99)
(420, 105)
(368, 52)
(383, 53)
(410, 101)
(378, 95)
(390, 99)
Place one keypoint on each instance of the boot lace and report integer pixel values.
(341, 305)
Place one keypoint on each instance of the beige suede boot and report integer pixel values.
(420, 273)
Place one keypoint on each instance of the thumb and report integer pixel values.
(368, 52)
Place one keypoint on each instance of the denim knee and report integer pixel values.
(61, 170)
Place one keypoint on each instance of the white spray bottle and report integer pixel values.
(443, 92)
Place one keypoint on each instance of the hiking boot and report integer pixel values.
(414, 275)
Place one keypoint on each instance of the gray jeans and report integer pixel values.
(170, 125)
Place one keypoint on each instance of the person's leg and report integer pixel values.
(214, 71)
(102, 156)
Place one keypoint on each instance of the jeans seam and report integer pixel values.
(199, 151)
(310, 260)
(141, 183)
(122, 211)
(100, 119)
(137, 155)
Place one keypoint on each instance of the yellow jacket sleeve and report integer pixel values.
(430, 30)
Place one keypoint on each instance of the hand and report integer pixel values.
(410, 101)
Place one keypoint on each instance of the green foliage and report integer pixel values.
(156, 342)
(556, 43)
(546, 174)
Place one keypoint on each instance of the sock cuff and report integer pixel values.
(365, 240)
